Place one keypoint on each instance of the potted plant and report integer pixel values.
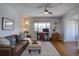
(54, 29)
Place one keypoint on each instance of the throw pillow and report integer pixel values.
(4, 41)
(21, 36)
(12, 40)
(25, 35)
(29, 40)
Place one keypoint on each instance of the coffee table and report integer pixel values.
(35, 47)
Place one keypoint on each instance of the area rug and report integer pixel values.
(47, 49)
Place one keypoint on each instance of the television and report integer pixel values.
(45, 30)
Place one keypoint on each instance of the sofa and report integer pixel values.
(11, 50)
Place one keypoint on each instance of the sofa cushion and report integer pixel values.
(4, 41)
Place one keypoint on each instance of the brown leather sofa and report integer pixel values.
(16, 50)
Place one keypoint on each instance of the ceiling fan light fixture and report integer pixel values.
(46, 12)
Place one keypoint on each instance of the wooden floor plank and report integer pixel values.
(66, 48)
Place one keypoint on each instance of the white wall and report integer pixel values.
(33, 19)
(9, 13)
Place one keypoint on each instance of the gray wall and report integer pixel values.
(9, 13)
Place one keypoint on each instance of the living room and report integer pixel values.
(63, 17)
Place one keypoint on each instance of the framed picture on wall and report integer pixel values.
(7, 24)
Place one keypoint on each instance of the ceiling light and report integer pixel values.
(46, 11)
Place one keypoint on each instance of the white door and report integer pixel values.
(71, 30)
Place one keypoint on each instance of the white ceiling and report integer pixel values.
(37, 9)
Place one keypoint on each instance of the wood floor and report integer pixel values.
(66, 48)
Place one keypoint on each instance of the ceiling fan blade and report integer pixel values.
(46, 10)
(50, 12)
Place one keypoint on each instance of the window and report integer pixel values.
(39, 26)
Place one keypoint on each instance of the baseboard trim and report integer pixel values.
(69, 40)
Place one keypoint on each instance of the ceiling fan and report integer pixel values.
(48, 5)
(46, 11)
